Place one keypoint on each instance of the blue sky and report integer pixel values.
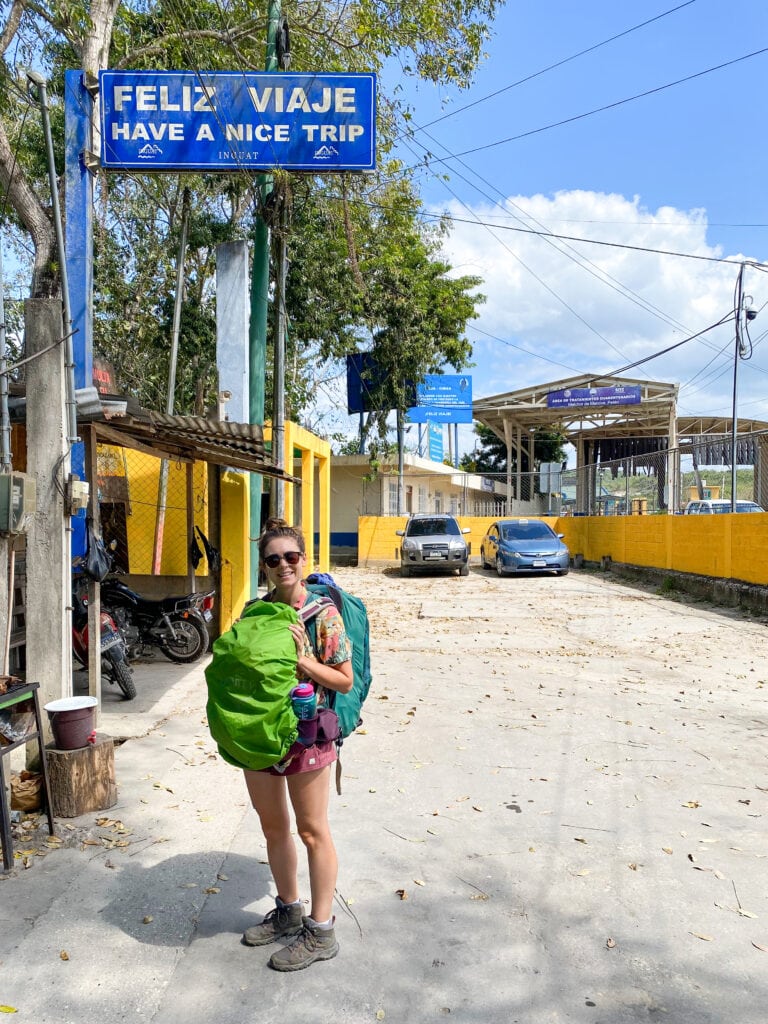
(681, 170)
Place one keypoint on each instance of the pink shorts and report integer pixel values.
(304, 759)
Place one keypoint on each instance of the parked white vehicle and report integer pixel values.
(714, 505)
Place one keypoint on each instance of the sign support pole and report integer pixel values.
(257, 341)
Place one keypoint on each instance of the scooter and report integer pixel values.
(114, 664)
(176, 625)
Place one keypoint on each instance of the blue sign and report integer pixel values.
(616, 394)
(435, 442)
(443, 398)
(237, 120)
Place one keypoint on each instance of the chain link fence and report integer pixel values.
(645, 483)
(143, 507)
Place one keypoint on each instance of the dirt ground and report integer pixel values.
(608, 784)
(555, 811)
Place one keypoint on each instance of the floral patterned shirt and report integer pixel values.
(333, 644)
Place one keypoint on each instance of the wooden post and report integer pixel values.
(82, 780)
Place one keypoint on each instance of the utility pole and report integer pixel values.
(738, 354)
(162, 489)
(257, 341)
(278, 384)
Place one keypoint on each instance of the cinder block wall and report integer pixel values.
(720, 546)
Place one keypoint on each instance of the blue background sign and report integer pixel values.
(616, 394)
(231, 120)
(443, 398)
(435, 442)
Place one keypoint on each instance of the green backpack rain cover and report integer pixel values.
(249, 680)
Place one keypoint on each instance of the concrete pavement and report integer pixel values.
(555, 812)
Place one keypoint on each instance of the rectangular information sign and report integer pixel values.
(435, 442)
(616, 394)
(442, 398)
(237, 120)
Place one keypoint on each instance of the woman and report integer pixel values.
(304, 777)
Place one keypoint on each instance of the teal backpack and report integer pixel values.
(352, 610)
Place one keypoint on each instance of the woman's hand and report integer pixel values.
(299, 633)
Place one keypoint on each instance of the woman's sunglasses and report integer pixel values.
(289, 557)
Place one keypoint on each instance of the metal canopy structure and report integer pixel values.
(528, 410)
(600, 432)
(517, 415)
(190, 439)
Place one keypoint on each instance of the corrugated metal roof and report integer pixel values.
(192, 438)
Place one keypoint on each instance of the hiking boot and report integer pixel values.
(311, 944)
(283, 922)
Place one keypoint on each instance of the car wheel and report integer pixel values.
(464, 570)
(499, 565)
(405, 570)
(561, 572)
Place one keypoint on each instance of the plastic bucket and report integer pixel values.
(72, 721)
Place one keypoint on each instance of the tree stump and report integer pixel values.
(82, 780)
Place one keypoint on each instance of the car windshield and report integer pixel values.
(526, 531)
(433, 527)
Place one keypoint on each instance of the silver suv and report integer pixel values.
(433, 542)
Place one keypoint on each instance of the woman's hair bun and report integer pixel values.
(275, 523)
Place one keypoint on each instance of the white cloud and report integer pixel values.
(594, 308)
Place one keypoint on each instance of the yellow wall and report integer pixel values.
(143, 473)
(235, 548)
(303, 454)
(725, 546)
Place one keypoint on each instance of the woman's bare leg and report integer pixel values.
(268, 796)
(309, 795)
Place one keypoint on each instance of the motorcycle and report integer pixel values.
(176, 625)
(113, 653)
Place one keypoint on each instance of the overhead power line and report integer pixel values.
(598, 110)
(550, 67)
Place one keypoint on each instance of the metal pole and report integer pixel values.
(69, 360)
(162, 489)
(400, 461)
(257, 340)
(5, 420)
(736, 357)
(278, 384)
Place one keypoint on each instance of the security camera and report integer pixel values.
(751, 314)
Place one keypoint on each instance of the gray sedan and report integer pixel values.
(524, 546)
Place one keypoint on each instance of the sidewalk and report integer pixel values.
(555, 813)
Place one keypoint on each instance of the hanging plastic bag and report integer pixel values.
(98, 560)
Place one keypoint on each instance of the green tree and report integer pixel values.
(137, 234)
(490, 455)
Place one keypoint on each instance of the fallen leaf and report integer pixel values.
(706, 938)
(223, 878)
(401, 893)
(578, 839)
(380, 1015)
(148, 919)
(476, 808)
(632, 867)
(610, 943)
(757, 945)
(64, 955)
(666, 849)
(582, 873)
(419, 881)
(479, 896)
(8, 1009)
(212, 889)
(692, 803)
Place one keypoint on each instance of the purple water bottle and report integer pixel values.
(304, 704)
